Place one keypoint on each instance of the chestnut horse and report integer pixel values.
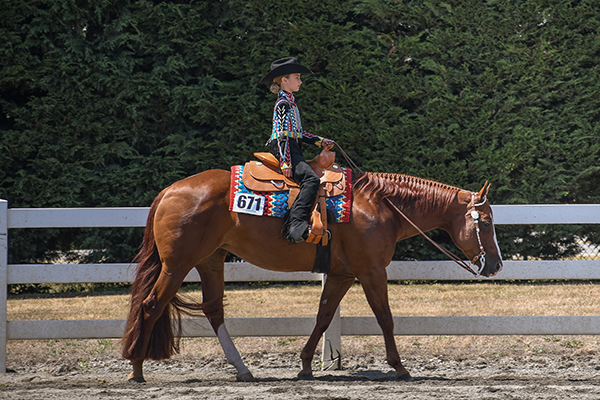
(190, 226)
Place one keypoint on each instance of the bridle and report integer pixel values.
(475, 215)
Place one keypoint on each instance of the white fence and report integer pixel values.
(407, 270)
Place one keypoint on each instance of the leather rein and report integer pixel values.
(448, 253)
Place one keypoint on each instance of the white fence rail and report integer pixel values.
(405, 270)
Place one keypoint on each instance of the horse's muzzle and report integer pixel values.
(492, 267)
(496, 269)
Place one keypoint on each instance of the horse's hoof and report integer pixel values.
(405, 378)
(137, 379)
(246, 377)
(306, 376)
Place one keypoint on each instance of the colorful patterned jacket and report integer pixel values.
(287, 126)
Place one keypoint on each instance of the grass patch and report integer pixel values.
(286, 341)
(573, 344)
(302, 300)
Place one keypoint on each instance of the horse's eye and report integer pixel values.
(486, 223)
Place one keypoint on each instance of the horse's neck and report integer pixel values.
(428, 204)
(429, 211)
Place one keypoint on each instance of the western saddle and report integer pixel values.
(265, 176)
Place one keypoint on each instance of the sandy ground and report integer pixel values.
(558, 369)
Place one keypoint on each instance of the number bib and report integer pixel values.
(248, 203)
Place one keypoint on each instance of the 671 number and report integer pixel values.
(249, 203)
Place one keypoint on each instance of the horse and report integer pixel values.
(190, 226)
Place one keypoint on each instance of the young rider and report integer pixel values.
(286, 144)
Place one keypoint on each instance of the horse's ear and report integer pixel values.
(483, 192)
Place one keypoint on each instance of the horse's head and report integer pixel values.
(473, 232)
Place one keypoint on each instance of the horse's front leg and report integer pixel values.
(211, 273)
(334, 290)
(374, 284)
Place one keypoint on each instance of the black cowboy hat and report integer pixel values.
(285, 66)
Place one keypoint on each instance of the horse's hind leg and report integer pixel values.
(375, 287)
(213, 287)
(334, 290)
(162, 293)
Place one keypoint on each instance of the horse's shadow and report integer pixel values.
(357, 376)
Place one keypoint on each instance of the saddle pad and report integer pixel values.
(275, 204)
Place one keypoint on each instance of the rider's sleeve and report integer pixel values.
(285, 159)
(312, 139)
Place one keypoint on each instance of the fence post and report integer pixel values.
(3, 282)
(331, 357)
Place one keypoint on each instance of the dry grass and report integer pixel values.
(283, 300)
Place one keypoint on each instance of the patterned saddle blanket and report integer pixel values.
(274, 202)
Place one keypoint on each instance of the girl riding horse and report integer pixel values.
(286, 144)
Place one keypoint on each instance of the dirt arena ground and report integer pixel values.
(451, 368)
(444, 367)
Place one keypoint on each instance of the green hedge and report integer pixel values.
(104, 103)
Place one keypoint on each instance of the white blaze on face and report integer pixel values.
(497, 245)
(496, 240)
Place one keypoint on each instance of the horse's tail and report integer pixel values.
(164, 340)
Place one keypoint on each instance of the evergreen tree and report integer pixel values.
(105, 103)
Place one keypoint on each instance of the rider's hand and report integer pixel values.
(287, 172)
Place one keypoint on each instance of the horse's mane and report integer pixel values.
(409, 190)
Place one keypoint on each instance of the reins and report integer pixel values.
(348, 159)
(447, 252)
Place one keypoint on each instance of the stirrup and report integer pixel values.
(312, 238)
(323, 238)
